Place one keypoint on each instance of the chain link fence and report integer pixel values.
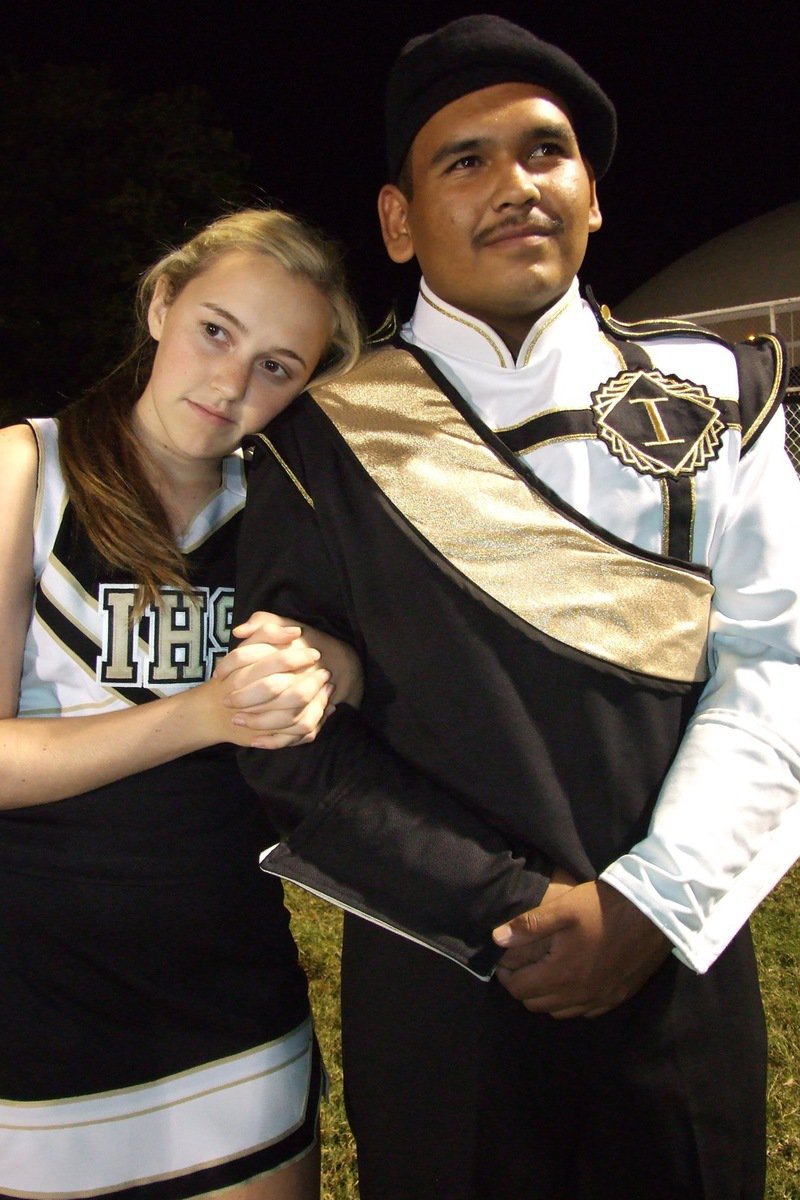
(792, 408)
(776, 316)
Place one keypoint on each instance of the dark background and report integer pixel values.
(707, 96)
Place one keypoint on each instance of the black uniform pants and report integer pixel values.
(456, 1092)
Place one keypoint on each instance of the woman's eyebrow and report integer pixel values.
(229, 316)
(287, 351)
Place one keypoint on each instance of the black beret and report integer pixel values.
(480, 51)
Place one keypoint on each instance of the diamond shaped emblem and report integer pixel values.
(658, 424)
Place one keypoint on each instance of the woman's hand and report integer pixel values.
(347, 675)
(279, 684)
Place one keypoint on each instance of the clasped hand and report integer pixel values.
(584, 950)
(278, 685)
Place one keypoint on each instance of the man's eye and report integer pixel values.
(545, 150)
(465, 162)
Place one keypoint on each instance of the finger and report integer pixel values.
(553, 1004)
(527, 955)
(547, 979)
(272, 626)
(530, 926)
(271, 741)
(564, 1014)
(280, 689)
(591, 1013)
(517, 929)
(302, 731)
(565, 1000)
(265, 658)
(525, 983)
(288, 709)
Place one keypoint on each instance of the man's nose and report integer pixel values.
(515, 185)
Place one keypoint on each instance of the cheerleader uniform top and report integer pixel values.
(167, 947)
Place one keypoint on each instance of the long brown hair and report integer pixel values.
(106, 480)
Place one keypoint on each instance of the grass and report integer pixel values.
(317, 927)
(777, 933)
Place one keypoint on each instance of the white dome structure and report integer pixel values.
(744, 282)
(751, 264)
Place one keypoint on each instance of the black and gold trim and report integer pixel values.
(656, 327)
(387, 330)
(270, 446)
(665, 427)
(488, 516)
(763, 371)
(547, 428)
(760, 361)
(658, 424)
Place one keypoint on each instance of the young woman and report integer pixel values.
(157, 1040)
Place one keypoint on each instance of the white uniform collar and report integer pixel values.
(439, 327)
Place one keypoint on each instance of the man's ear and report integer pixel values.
(595, 216)
(393, 214)
(157, 308)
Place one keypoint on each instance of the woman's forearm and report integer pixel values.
(47, 759)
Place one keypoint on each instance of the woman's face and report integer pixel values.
(235, 347)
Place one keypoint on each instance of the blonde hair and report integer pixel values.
(300, 249)
(107, 484)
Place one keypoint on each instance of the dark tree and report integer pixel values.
(95, 185)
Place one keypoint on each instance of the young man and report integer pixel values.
(565, 549)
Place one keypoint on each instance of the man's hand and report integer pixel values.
(582, 952)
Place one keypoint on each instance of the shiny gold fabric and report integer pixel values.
(512, 543)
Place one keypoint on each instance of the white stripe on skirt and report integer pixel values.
(195, 1119)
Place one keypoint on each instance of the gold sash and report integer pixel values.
(638, 613)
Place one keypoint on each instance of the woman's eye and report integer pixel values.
(213, 331)
(275, 368)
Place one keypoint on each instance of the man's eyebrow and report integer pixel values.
(286, 351)
(455, 149)
(557, 130)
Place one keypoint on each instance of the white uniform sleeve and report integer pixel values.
(727, 823)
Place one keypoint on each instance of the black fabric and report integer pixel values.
(133, 913)
(763, 384)
(548, 427)
(454, 1090)
(122, 951)
(505, 448)
(476, 52)
(554, 782)
(761, 362)
(421, 867)
(560, 756)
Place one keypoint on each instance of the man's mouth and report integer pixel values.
(509, 231)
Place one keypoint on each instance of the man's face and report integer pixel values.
(502, 206)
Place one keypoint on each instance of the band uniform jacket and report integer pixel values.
(528, 676)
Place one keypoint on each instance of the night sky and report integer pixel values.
(708, 97)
